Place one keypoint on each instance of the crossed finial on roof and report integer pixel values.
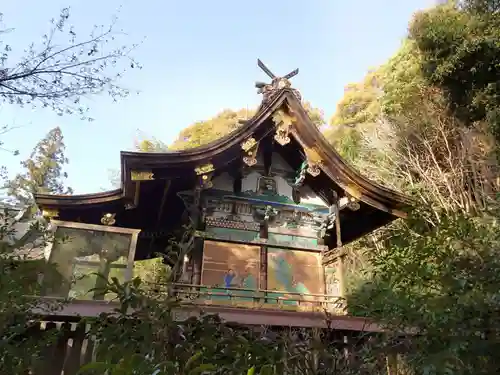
(271, 75)
(276, 84)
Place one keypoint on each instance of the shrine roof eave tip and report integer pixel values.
(53, 200)
(263, 109)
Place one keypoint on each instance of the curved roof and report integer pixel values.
(51, 200)
(216, 153)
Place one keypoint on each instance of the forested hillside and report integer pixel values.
(426, 122)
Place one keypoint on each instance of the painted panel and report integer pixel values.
(77, 253)
(229, 265)
(332, 281)
(294, 271)
(333, 287)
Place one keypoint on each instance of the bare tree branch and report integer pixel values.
(56, 77)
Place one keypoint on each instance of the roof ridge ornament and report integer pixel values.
(269, 90)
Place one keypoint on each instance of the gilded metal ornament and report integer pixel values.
(353, 205)
(313, 156)
(250, 160)
(50, 213)
(108, 219)
(353, 191)
(314, 161)
(313, 170)
(250, 146)
(203, 169)
(283, 123)
(206, 181)
(141, 175)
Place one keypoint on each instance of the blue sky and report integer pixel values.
(199, 57)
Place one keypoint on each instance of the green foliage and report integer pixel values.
(436, 273)
(402, 81)
(152, 271)
(346, 140)
(151, 145)
(460, 52)
(442, 282)
(411, 124)
(315, 114)
(21, 263)
(360, 102)
(43, 170)
(205, 344)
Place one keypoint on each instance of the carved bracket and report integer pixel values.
(108, 219)
(205, 175)
(250, 147)
(352, 203)
(204, 169)
(314, 161)
(283, 123)
(50, 213)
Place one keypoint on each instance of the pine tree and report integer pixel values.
(43, 171)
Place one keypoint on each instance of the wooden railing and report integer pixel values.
(70, 347)
(251, 298)
(65, 346)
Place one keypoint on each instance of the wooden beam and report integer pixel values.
(166, 188)
(137, 193)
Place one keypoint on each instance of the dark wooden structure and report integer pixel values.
(272, 204)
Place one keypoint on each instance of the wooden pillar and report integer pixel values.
(341, 257)
(341, 274)
(263, 268)
(197, 258)
(392, 364)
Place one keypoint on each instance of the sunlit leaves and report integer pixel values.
(202, 132)
(21, 264)
(461, 54)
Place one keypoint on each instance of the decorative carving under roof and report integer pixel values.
(283, 123)
(269, 90)
(50, 213)
(203, 169)
(108, 219)
(250, 147)
(141, 175)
